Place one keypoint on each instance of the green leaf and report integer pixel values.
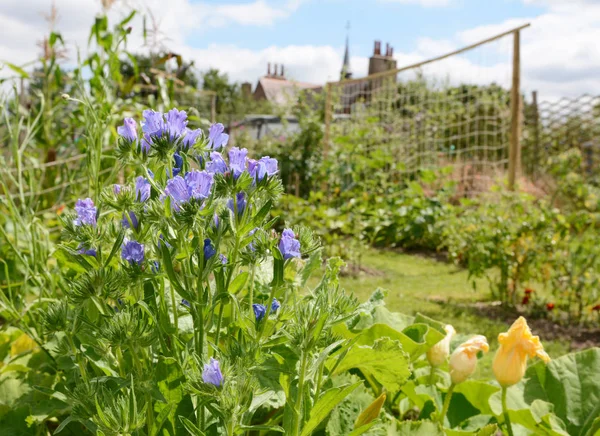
(362, 430)
(572, 384)
(325, 405)
(238, 283)
(418, 428)
(190, 426)
(371, 413)
(478, 394)
(385, 361)
(20, 71)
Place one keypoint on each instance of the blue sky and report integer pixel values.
(560, 51)
(324, 22)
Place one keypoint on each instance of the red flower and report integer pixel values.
(549, 307)
(528, 291)
(596, 307)
(525, 299)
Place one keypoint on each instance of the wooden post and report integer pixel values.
(515, 109)
(536, 136)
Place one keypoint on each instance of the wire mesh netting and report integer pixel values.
(449, 112)
(553, 127)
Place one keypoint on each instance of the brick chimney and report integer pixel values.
(379, 63)
(268, 68)
(282, 71)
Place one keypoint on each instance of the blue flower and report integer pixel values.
(241, 203)
(133, 252)
(216, 137)
(185, 303)
(212, 373)
(142, 189)
(216, 164)
(275, 305)
(209, 249)
(259, 169)
(128, 130)
(177, 164)
(146, 143)
(177, 189)
(216, 220)
(259, 311)
(237, 160)
(176, 123)
(289, 245)
(81, 249)
(270, 164)
(191, 136)
(86, 213)
(155, 267)
(223, 259)
(153, 124)
(125, 222)
(117, 189)
(198, 184)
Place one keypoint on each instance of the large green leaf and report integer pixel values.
(325, 405)
(418, 428)
(572, 384)
(385, 361)
(478, 394)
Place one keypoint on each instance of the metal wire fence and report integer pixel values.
(553, 127)
(457, 110)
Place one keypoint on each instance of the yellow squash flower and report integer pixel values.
(515, 346)
(438, 354)
(464, 359)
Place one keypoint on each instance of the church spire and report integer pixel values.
(346, 73)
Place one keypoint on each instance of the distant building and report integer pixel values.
(276, 89)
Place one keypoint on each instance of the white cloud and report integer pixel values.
(560, 54)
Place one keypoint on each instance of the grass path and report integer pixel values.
(436, 289)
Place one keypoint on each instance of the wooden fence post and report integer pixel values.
(515, 109)
(536, 136)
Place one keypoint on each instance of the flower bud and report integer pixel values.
(464, 359)
(438, 354)
(516, 345)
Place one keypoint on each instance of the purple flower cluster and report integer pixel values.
(86, 213)
(212, 373)
(239, 162)
(195, 185)
(132, 252)
(156, 125)
(260, 310)
(289, 245)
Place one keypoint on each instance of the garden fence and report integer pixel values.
(459, 110)
(553, 127)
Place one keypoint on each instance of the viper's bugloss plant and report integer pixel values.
(178, 274)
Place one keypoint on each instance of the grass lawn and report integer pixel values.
(438, 290)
